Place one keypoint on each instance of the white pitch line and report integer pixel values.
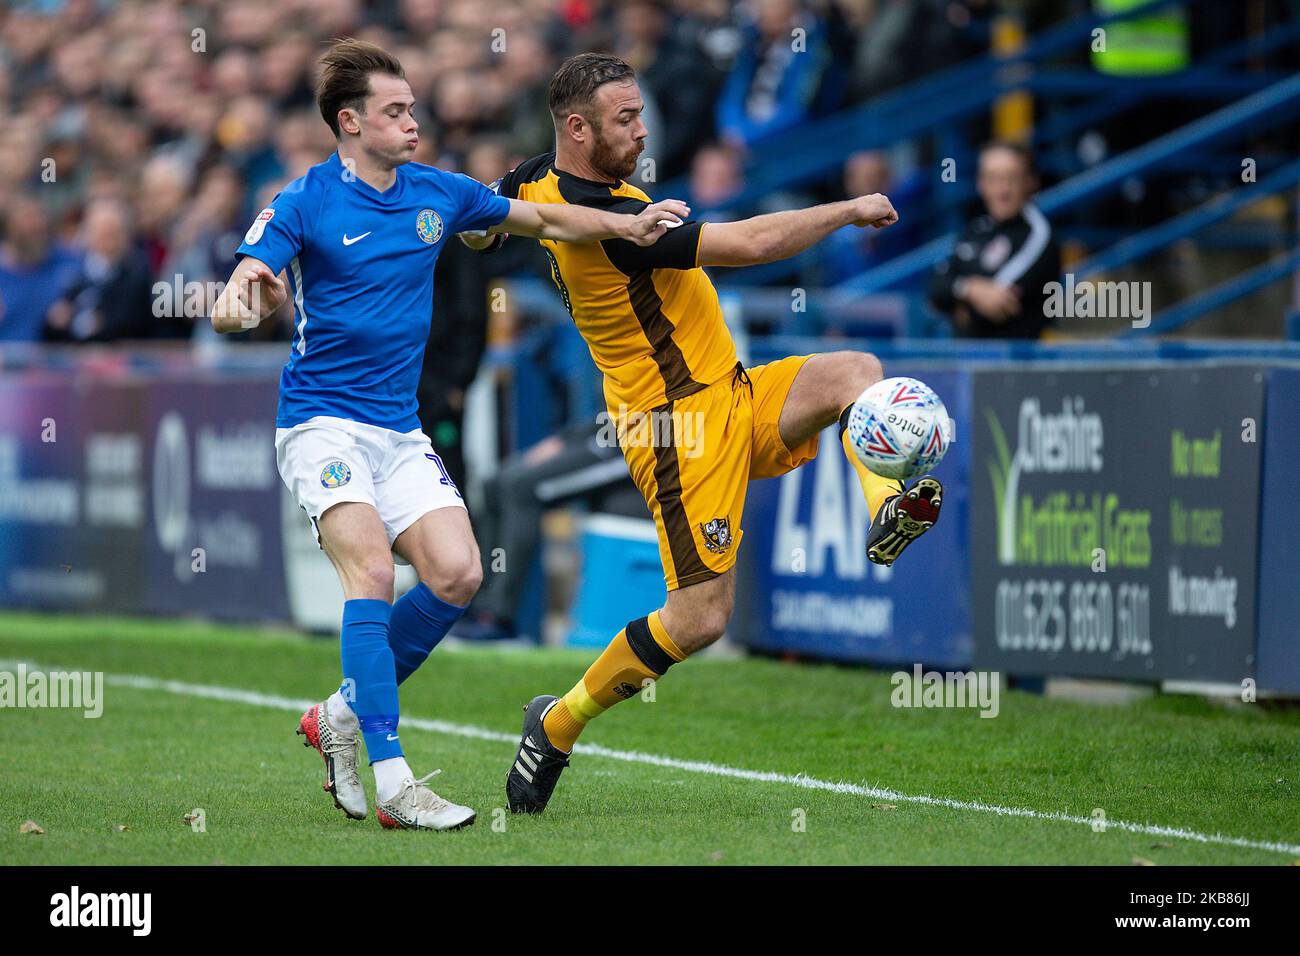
(294, 704)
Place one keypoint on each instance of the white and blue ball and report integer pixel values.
(899, 428)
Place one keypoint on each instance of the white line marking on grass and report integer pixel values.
(296, 704)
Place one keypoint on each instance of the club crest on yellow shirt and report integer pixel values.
(428, 225)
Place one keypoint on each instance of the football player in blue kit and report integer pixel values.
(357, 238)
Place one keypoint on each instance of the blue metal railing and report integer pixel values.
(1193, 83)
(968, 352)
(1166, 233)
(1098, 109)
(928, 104)
(935, 104)
(1270, 107)
(1233, 289)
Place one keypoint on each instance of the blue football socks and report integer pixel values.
(420, 619)
(369, 672)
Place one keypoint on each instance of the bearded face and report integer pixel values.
(614, 157)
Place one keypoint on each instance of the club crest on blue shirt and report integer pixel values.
(429, 225)
(335, 475)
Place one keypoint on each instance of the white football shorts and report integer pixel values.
(325, 461)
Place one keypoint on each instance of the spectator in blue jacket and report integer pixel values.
(849, 251)
(34, 271)
(777, 76)
(717, 178)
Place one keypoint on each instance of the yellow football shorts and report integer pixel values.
(693, 459)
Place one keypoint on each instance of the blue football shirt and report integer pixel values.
(360, 266)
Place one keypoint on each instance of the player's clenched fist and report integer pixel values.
(252, 294)
(875, 210)
(260, 290)
(656, 219)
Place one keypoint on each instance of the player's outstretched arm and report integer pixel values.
(780, 235)
(252, 294)
(568, 223)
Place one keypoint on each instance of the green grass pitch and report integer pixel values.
(155, 755)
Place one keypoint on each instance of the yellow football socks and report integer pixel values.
(641, 651)
(874, 488)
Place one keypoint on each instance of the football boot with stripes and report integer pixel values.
(538, 763)
(902, 519)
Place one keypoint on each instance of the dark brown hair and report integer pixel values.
(575, 83)
(345, 77)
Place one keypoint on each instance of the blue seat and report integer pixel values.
(621, 577)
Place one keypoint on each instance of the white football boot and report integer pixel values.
(339, 751)
(416, 807)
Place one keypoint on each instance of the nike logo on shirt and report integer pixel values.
(348, 242)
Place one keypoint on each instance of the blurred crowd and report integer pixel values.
(143, 135)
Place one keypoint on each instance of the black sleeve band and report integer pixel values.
(646, 647)
(498, 240)
(844, 418)
(676, 249)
